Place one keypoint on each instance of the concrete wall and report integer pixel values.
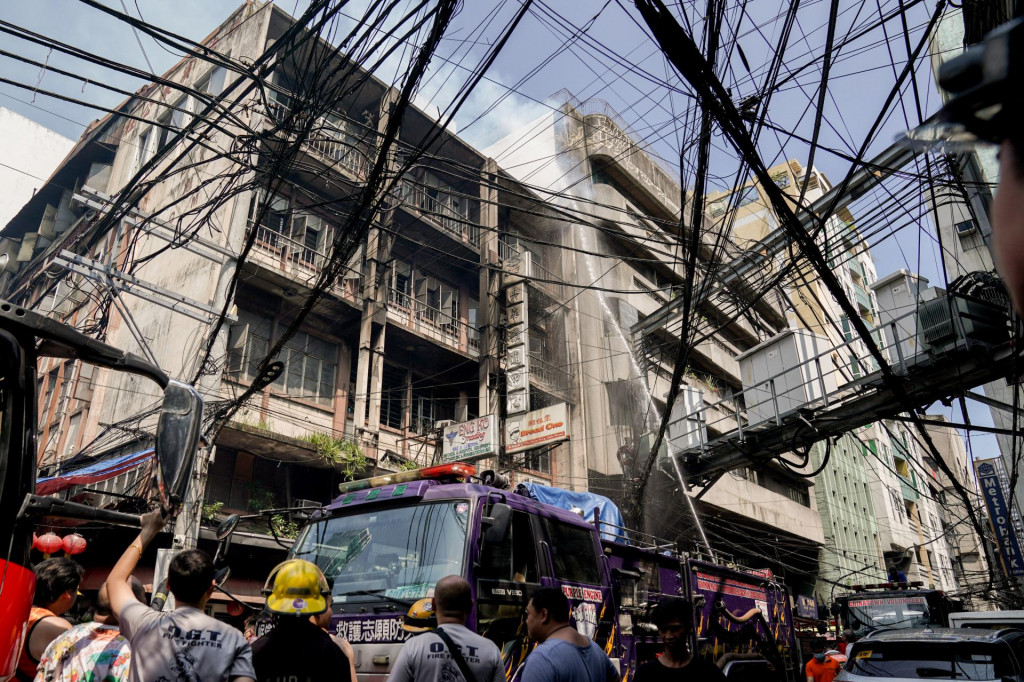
(30, 153)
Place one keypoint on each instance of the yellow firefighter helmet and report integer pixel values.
(420, 617)
(296, 587)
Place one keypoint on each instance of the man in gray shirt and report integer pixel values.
(183, 645)
(426, 657)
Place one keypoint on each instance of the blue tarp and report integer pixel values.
(93, 473)
(608, 513)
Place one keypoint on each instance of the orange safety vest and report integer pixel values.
(28, 664)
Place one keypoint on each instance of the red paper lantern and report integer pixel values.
(74, 544)
(235, 609)
(35, 541)
(48, 543)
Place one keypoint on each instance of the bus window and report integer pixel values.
(573, 552)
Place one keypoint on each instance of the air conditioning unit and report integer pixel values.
(311, 504)
(965, 228)
(443, 424)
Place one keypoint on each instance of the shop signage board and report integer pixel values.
(546, 426)
(471, 440)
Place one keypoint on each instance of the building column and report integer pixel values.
(373, 323)
(341, 389)
(490, 291)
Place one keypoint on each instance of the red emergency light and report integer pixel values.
(455, 470)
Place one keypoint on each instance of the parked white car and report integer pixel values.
(939, 654)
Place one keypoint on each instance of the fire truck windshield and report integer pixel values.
(397, 552)
(875, 613)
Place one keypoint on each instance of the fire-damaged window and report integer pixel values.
(310, 364)
(273, 227)
(392, 396)
(429, 406)
(573, 552)
(172, 120)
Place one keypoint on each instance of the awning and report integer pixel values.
(93, 473)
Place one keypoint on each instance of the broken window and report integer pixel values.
(310, 366)
(310, 363)
(312, 237)
(273, 223)
(400, 284)
(392, 396)
(437, 302)
(248, 344)
(142, 150)
(473, 320)
(213, 83)
(171, 121)
(429, 407)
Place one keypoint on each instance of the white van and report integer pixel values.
(988, 620)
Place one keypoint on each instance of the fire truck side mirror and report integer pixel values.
(177, 437)
(496, 525)
(224, 531)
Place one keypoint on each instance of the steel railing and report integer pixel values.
(435, 322)
(841, 373)
(441, 209)
(329, 141)
(293, 256)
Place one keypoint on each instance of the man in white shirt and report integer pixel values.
(183, 645)
(427, 657)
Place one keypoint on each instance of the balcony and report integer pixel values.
(907, 488)
(549, 377)
(862, 298)
(300, 262)
(441, 209)
(432, 323)
(507, 251)
(332, 139)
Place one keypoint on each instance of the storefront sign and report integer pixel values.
(806, 606)
(471, 440)
(535, 429)
(999, 515)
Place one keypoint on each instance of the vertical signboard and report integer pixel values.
(517, 346)
(999, 515)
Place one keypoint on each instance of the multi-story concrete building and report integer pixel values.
(969, 552)
(876, 504)
(960, 212)
(30, 152)
(621, 259)
(169, 228)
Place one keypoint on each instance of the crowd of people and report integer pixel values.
(127, 640)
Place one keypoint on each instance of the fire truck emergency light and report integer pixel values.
(442, 471)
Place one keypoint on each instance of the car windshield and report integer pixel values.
(932, 661)
(397, 553)
(866, 615)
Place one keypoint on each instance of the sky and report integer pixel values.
(595, 50)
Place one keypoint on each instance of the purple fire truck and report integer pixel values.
(385, 542)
